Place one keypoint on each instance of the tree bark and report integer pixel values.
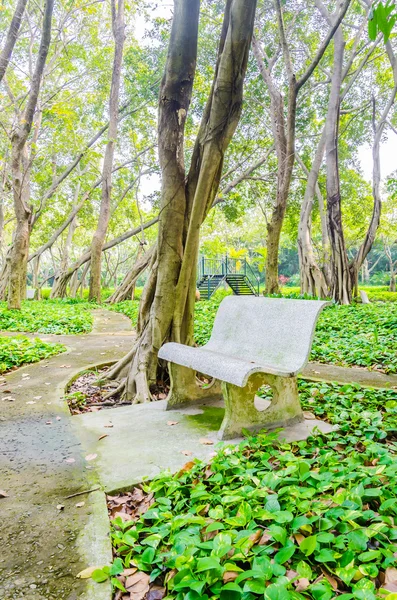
(341, 290)
(12, 34)
(104, 213)
(167, 303)
(20, 166)
(124, 291)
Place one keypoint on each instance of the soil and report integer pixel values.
(87, 393)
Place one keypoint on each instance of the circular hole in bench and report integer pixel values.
(263, 398)
(204, 381)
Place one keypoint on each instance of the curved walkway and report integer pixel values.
(42, 461)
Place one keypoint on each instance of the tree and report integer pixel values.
(20, 168)
(167, 303)
(104, 214)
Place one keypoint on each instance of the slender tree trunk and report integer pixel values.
(167, 303)
(312, 279)
(341, 289)
(20, 167)
(104, 214)
(125, 289)
(11, 38)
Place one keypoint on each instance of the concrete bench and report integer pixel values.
(254, 342)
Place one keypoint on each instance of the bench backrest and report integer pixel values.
(277, 332)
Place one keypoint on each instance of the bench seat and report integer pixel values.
(224, 367)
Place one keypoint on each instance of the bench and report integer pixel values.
(254, 342)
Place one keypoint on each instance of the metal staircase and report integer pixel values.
(237, 273)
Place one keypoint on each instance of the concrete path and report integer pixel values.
(319, 372)
(42, 460)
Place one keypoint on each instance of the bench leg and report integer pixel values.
(184, 389)
(241, 413)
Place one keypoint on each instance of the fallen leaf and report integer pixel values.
(229, 576)
(302, 584)
(391, 575)
(31, 402)
(299, 538)
(108, 425)
(265, 538)
(308, 415)
(187, 452)
(70, 460)
(137, 585)
(80, 504)
(103, 436)
(128, 572)
(186, 467)
(206, 442)
(91, 457)
(155, 593)
(86, 573)
(48, 422)
(61, 507)
(172, 423)
(58, 418)
(37, 397)
(332, 580)
(3, 494)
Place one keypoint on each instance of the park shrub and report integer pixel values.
(20, 350)
(51, 316)
(312, 519)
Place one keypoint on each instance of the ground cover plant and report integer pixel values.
(311, 519)
(50, 316)
(20, 350)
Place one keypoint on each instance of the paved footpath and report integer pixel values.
(42, 461)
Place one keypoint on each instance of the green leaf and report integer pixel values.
(207, 563)
(284, 554)
(308, 545)
(99, 575)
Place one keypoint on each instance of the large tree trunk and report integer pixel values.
(11, 38)
(167, 303)
(104, 213)
(341, 289)
(20, 168)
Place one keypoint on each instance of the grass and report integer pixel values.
(20, 350)
(308, 520)
(50, 316)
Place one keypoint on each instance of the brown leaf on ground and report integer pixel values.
(108, 425)
(129, 572)
(299, 538)
(186, 467)
(186, 452)
(291, 574)
(302, 584)
(103, 436)
(390, 575)
(70, 460)
(206, 442)
(264, 538)
(137, 585)
(229, 576)
(130, 506)
(3, 494)
(91, 457)
(156, 593)
(86, 573)
(331, 579)
(308, 415)
(171, 423)
(255, 537)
